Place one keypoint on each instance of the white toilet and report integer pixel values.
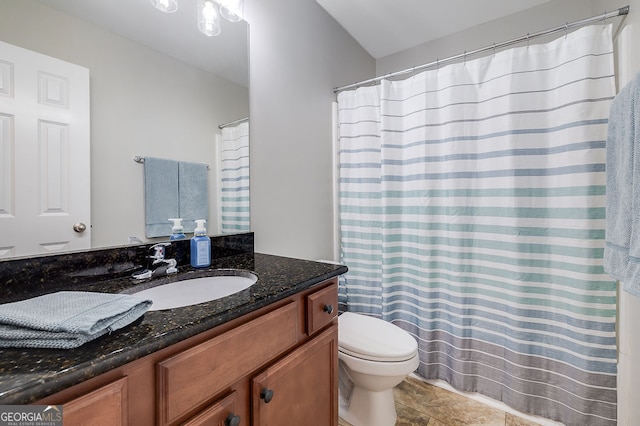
(374, 356)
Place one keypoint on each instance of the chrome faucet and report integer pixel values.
(160, 265)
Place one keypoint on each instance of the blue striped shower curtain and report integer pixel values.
(234, 179)
(472, 216)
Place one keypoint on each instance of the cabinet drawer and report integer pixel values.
(220, 413)
(322, 307)
(189, 379)
(104, 406)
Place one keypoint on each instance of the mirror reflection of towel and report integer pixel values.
(174, 189)
(160, 195)
(193, 190)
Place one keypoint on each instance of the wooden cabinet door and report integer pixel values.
(106, 406)
(302, 388)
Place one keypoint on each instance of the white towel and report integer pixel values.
(622, 250)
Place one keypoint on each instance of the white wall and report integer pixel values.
(298, 55)
(549, 15)
(544, 16)
(142, 103)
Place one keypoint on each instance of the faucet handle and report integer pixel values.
(171, 266)
(159, 250)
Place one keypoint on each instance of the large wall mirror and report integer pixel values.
(158, 88)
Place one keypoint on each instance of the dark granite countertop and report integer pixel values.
(27, 375)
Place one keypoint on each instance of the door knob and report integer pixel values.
(79, 227)
(328, 309)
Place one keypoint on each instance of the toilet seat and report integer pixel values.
(374, 339)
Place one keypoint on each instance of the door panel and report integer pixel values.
(302, 388)
(44, 153)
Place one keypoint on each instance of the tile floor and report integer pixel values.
(421, 404)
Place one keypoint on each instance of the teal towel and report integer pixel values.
(66, 319)
(174, 189)
(193, 192)
(160, 195)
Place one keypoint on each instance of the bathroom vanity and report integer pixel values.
(266, 355)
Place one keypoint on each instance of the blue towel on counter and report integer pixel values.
(193, 190)
(66, 319)
(160, 195)
(622, 228)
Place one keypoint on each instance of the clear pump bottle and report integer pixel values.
(177, 231)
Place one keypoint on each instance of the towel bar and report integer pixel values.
(140, 159)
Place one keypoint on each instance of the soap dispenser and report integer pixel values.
(200, 246)
(177, 231)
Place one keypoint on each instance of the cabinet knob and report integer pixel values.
(266, 395)
(328, 309)
(232, 420)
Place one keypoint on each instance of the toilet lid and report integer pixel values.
(373, 339)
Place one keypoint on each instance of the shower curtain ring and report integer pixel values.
(566, 28)
(527, 40)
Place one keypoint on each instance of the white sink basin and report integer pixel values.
(198, 290)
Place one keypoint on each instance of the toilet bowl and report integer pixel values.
(374, 356)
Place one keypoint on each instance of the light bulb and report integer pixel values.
(231, 10)
(168, 6)
(208, 18)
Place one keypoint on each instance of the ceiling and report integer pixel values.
(175, 34)
(383, 27)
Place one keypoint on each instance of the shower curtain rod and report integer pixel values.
(231, 123)
(569, 25)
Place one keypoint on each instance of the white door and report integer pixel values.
(44, 154)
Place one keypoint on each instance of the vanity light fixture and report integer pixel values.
(209, 12)
(208, 18)
(231, 10)
(168, 6)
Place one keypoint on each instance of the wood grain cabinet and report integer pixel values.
(105, 406)
(276, 366)
(221, 413)
(193, 377)
(301, 388)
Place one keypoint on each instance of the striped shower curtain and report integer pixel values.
(472, 216)
(233, 176)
